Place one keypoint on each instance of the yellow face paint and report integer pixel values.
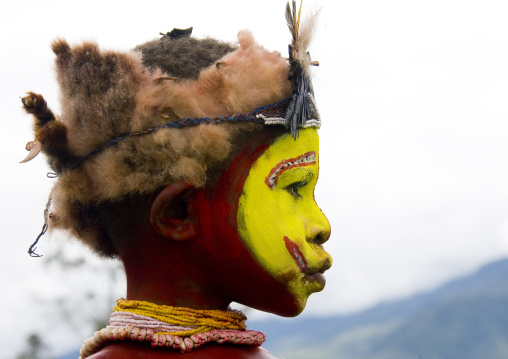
(278, 218)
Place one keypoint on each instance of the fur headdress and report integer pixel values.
(133, 122)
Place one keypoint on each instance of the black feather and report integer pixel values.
(177, 33)
(301, 107)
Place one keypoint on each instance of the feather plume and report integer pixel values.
(301, 107)
(290, 20)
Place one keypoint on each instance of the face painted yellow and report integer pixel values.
(278, 219)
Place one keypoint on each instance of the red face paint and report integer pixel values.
(306, 159)
(297, 255)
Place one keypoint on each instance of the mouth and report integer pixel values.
(311, 274)
(317, 275)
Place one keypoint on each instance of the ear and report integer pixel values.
(169, 214)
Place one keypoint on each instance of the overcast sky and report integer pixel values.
(414, 143)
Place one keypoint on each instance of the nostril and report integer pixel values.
(320, 237)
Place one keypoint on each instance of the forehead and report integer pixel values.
(264, 160)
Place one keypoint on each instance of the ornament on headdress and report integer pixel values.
(302, 111)
(177, 33)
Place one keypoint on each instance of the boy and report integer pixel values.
(194, 162)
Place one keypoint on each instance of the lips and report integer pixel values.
(317, 276)
(311, 275)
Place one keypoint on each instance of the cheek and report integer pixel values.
(218, 205)
(265, 218)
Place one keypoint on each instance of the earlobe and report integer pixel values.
(169, 214)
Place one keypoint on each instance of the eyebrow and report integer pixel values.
(306, 159)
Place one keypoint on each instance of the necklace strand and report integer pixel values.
(179, 328)
(204, 320)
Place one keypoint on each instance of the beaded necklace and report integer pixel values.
(179, 328)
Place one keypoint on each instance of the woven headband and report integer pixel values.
(280, 113)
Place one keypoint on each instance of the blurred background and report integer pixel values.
(413, 96)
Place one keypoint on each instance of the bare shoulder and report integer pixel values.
(132, 350)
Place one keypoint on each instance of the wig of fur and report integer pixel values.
(106, 94)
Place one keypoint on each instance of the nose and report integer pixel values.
(321, 237)
(319, 228)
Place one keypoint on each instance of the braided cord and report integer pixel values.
(270, 110)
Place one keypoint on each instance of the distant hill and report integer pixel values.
(464, 319)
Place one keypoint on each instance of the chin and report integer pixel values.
(300, 304)
(289, 312)
(302, 295)
(291, 306)
(288, 303)
(297, 307)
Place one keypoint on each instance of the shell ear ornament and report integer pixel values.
(34, 147)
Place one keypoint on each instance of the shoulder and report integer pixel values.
(132, 350)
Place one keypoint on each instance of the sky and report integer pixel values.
(413, 98)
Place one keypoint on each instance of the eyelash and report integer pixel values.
(294, 187)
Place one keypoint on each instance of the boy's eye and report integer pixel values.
(294, 187)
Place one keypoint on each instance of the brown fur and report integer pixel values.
(98, 93)
(244, 79)
(51, 133)
(106, 94)
(184, 57)
(36, 105)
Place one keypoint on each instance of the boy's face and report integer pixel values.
(278, 218)
(262, 227)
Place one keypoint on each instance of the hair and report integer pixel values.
(107, 94)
